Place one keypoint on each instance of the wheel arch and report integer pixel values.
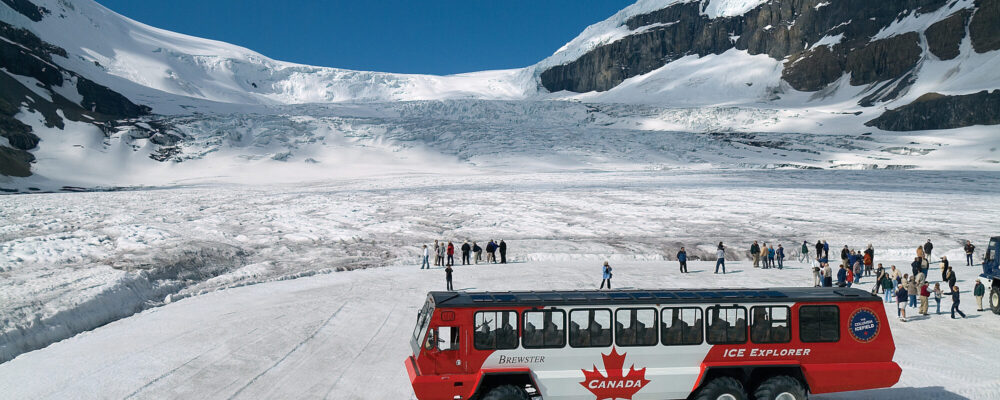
(491, 379)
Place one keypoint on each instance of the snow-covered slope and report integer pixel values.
(133, 57)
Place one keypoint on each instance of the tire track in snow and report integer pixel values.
(289, 353)
(365, 347)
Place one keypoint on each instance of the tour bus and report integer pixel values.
(719, 344)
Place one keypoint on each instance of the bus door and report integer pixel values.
(444, 348)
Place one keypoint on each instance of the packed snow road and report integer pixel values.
(345, 336)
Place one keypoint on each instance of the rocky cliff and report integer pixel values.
(818, 41)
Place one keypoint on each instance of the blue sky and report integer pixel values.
(435, 37)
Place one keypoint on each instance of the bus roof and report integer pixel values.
(647, 296)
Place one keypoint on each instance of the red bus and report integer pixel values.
(719, 344)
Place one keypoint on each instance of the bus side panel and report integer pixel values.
(841, 377)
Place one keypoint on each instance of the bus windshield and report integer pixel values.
(423, 319)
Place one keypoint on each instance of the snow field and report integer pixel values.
(74, 261)
(345, 336)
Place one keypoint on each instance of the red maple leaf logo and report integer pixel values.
(614, 385)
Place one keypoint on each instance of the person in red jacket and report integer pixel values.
(925, 293)
(451, 254)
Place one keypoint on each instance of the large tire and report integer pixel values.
(722, 388)
(995, 300)
(780, 388)
(506, 392)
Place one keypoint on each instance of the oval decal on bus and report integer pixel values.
(864, 325)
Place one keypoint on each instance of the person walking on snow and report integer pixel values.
(755, 254)
(826, 252)
(720, 258)
(804, 252)
(465, 253)
(426, 259)
(780, 255)
(441, 250)
(503, 251)
(844, 253)
(827, 275)
(937, 296)
(969, 250)
(955, 301)
(606, 274)
(911, 289)
(951, 277)
(682, 258)
(928, 247)
(451, 254)
(979, 291)
(819, 252)
(447, 277)
(477, 252)
(901, 297)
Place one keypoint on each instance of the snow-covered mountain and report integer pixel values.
(92, 98)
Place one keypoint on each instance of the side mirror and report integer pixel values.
(444, 338)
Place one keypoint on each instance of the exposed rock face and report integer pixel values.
(779, 28)
(884, 59)
(27, 8)
(936, 111)
(985, 26)
(945, 36)
(23, 53)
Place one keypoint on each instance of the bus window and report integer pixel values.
(635, 327)
(819, 324)
(681, 326)
(769, 324)
(590, 328)
(544, 329)
(727, 325)
(495, 330)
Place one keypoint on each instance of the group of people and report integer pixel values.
(767, 256)
(444, 256)
(854, 265)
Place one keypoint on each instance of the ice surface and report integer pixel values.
(75, 261)
(345, 336)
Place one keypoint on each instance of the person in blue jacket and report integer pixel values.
(842, 276)
(770, 257)
(781, 256)
(955, 300)
(682, 258)
(607, 275)
(901, 299)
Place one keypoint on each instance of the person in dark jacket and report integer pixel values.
(491, 252)
(819, 251)
(682, 258)
(826, 251)
(915, 265)
(755, 254)
(842, 276)
(447, 277)
(770, 256)
(780, 256)
(951, 277)
(503, 251)
(465, 253)
(927, 249)
(979, 291)
(887, 285)
(477, 252)
(955, 300)
(844, 253)
(606, 274)
(804, 252)
(969, 250)
(901, 299)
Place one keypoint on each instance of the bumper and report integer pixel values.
(842, 377)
